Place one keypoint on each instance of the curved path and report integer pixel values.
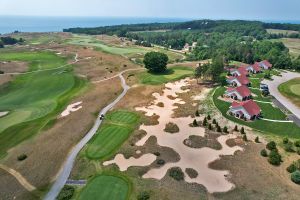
(273, 87)
(68, 165)
(19, 178)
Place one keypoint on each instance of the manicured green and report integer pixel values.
(290, 130)
(36, 60)
(106, 187)
(172, 74)
(117, 128)
(33, 100)
(291, 90)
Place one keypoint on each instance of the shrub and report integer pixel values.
(160, 162)
(257, 139)
(271, 145)
(298, 150)
(264, 153)
(204, 123)
(242, 131)
(171, 128)
(143, 196)
(176, 173)
(156, 153)
(209, 126)
(208, 117)
(285, 140)
(219, 129)
(191, 172)
(22, 157)
(195, 123)
(66, 193)
(214, 121)
(288, 147)
(225, 129)
(236, 128)
(297, 143)
(245, 138)
(295, 177)
(291, 168)
(274, 158)
(197, 113)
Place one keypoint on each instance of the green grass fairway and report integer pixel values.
(36, 60)
(34, 99)
(291, 90)
(172, 74)
(117, 128)
(106, 187)
(290, 130)
(123, 117)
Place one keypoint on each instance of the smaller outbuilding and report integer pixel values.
(241, 93)
(248, 110)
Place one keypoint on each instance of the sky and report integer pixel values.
(194, 9)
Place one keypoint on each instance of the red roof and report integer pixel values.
(266, 63)
(250, 106)
(243, 70)
(242, 79)
(256, 67)
(242, 90)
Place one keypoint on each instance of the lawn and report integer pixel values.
(33, 100)
(172, 74)
(255, 83)
(290, 130)
(106, 187)
(291, 90)
(258, 95)
(36, 60)
(117, 128)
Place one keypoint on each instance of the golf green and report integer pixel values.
(105, 187)
(291, 90)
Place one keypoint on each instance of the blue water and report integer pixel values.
(9, 24)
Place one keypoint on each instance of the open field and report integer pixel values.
(291, 90)
(117, 128)
(173, 73)
(292, 43)
(278, 31)
(104, 187)
(290, 130)
(113, 45)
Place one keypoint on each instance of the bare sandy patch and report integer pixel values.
(13, 67)
(3, 113)
(71, 108)
(196, 159)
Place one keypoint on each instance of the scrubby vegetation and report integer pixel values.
(66, 193)
(171, 128)
(176, 173)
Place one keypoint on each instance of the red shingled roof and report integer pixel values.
(256, 67)
(267, 63)
(243, 70)
(242, 90)
(250, 106)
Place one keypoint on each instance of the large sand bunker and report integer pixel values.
(71, 108)
(2, 114)
(197, 159)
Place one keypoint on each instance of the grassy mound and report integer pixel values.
(172, 74)
(291, 90)
(290, 130)
(117, 128)
(106, 187)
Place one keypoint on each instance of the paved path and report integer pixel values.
(273, 87)
(68, 165)
(76, 182)
(19, 178)
(274, 120)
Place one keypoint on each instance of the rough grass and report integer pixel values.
(36, 60)
(290, 130)
(172, 74)
(106, 187)
(291, 90)
(115, 131)
(293, 44)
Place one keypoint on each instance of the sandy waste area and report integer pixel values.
(71, 108)
(197, 159)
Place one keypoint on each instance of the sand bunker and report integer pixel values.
(197, 159)
(71, 108)
(2, 114)
(124, 163)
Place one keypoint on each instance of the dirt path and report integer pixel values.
(19, 178)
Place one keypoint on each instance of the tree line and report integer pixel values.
(7, 40)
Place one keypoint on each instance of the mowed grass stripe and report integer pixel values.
(107, 140)
(105, 187)
(123, 117)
